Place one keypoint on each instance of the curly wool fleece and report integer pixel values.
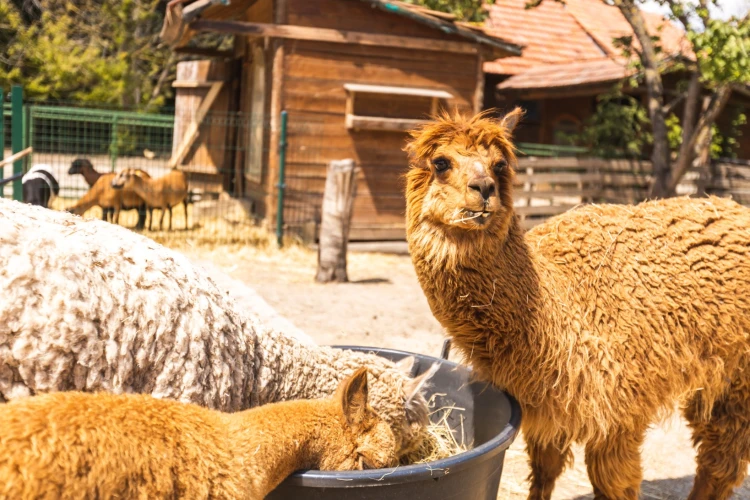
(91, 306)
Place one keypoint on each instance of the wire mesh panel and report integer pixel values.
(123, 166)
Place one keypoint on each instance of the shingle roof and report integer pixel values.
(557, 34)
(567, 74)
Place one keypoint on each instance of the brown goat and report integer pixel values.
(78, 445)
(598, 321)
(102, 194)
(164, 193)
(84, 167)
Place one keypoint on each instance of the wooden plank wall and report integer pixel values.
(314, 96)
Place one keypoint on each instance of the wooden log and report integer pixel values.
(338, 201)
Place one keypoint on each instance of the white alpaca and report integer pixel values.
(90, 306)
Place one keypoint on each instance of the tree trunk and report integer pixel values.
(338, 201)
(655, 89)
(708, 116)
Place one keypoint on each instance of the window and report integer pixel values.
(378, 107)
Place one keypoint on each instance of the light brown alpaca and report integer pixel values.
(598, 321)
(77, 445)
(165, 192)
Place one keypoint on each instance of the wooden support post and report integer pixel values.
(338, 201)
(192, 131)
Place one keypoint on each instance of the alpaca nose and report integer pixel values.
(483, 185)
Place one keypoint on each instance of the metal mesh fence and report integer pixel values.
(231, 191)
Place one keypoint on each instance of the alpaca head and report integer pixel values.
(79, 165)
(124, 178)
(363, 440)
(461, 173)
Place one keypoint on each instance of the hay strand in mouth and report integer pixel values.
(463, 219)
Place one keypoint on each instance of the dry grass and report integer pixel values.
(438, 440)
(206, 232)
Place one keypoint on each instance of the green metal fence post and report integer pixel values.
(2, 133)
(282, 179)
(16, 100)
(113, 144)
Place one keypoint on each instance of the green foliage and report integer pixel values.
(674, 132)
(618, 128)
(726, 144)
(104, 51)
(723, 51)
(464, 10)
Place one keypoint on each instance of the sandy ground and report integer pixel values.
(383, 306)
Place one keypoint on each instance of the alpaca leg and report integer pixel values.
(723, 442)
(614, 465)
(547, 463)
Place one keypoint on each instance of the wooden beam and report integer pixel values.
(16, 157)
(198, 51)
(192, 132)
(381, 123)
(330, 35)
(479, 89)
(189, 84)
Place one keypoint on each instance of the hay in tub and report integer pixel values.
(438, 440)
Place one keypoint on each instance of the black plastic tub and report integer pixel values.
(491, 420)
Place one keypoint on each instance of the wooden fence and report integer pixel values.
(549, 186)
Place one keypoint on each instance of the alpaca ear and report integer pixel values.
(405, 365)
(510, 120)
(415, 385)
(354, 395)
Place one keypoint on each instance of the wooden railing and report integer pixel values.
(550, 186)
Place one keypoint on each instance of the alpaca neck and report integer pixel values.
(90, 176)
(486, 290)
(271, 442)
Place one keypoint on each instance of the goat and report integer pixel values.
(164, 193)
(39, 183)
(84, 167)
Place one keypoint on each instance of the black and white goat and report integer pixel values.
(39, 183)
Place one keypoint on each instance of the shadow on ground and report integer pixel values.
(371, 281)
(677, 488)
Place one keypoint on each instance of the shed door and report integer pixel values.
(256, 127)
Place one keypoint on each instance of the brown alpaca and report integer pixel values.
(78, 445)
(598, 321)
(167, 191)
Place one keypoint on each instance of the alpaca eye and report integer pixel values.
(500, 166)
(441, 164)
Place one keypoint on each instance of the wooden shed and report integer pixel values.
(353, 76)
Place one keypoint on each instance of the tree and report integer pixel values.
(721, 63)
(104, 51)
(464, 10)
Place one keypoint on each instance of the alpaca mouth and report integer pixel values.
(477, 217)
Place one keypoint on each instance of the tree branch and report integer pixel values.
(708, 118)
(162, 78)
(655, 89)
(676, 7)
(691, 106)
(673, 103)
